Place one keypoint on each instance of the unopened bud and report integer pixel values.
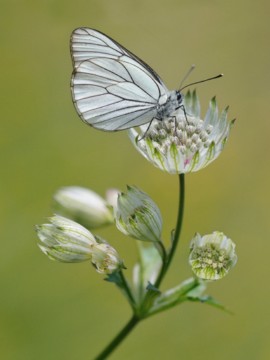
(138, 216)
(83, 206)
(64, 240)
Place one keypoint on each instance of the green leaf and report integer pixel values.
(187, 289)
(146, 270)
(207, 299)
(151, 295)
(115, 278)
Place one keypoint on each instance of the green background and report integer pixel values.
(51, 310)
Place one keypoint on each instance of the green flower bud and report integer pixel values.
(66, 241)
(138, 216)
(106, 259)
(83, 206)
(212, 256)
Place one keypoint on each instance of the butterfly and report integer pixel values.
(113, 89)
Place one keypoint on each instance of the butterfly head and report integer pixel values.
(179, 97)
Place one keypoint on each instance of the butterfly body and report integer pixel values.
(112, 89)
(173, 103)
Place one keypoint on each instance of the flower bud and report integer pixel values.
(212, 256)
(66, 241)
(112, 196)
(83, 206)
(138, 216)
(106, 259)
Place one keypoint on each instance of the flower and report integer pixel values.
(106, 259)
(212, 256)
(184, 143)
(137, 215)
(66, 241)
(83, 206)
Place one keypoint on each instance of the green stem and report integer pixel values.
(161, 249)
(119, 338)
(127, 289)
(176, 237)
(135, 319)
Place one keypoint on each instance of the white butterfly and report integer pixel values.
(112, 89)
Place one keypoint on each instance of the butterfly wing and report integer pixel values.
(112, 89)
(87, 43)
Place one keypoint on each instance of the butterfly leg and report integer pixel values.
(182, 107)
(144, 135)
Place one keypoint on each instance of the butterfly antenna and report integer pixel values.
(187, 74)
(201, 81)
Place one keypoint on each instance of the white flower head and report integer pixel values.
(138, 216)
(83, 206)
(212, 256)
(65, 240)
(184, 144)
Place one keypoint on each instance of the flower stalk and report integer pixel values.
(139, 316)
(177, 232)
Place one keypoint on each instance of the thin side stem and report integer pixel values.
(127, 289)
(119, 338)
(176, 237)
(161, 249)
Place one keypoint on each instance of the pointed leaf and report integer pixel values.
(207, 299)
(187, 289)
(147, 269)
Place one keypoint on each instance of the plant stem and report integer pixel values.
(135, 319)
(161, 249)
(127, 289)
(176, 236)
(119, 338)
(180, 218)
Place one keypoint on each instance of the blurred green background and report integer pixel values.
(57, 311)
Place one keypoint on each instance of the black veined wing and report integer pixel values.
(88, 43)
(112, 89)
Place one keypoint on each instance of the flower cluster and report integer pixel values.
(67, 241)
(184, 143)
(136, 215)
